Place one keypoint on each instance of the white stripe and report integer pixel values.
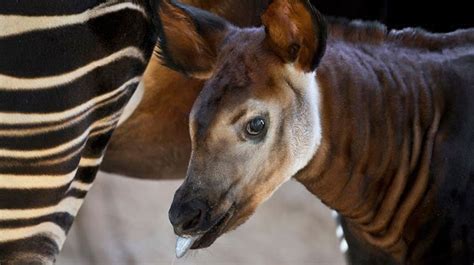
(106, 126)
(339, 232)
(102, 131)
(9, 153)
(52, 230)
(133, 103)
(57, 149)
(343, 247)
(18, 83)
(78, 185)
(8, 181)
(32, 118)
(62, 159)
(14, 24)
(90, 162)
(61, 126)
(68, 205)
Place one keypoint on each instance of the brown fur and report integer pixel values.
(375, 165)
(363, 169)
(183, 32)
(291, 33)
(154, 142)
(357, 31)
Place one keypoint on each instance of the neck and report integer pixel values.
(377, 137)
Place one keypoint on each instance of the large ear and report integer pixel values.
(296, 32)
(189, 38)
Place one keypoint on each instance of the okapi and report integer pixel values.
(379, 125)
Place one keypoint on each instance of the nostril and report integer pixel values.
(187, 217)
(194, 221)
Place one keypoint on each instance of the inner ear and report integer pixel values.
(296, 32)
(189, 38)
(293, 51)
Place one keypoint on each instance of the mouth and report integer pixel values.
(206, 239)
(184, 243)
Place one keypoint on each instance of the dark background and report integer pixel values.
(435, 16)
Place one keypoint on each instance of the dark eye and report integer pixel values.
(255, 126)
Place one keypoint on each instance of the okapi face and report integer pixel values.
(256, 122)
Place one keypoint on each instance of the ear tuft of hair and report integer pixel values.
(296, 32)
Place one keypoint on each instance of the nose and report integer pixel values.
(187, 217)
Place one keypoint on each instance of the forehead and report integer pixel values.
(242, 71)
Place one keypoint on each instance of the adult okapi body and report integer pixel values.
(379, 125)
(67, 69)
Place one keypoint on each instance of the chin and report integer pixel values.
(221, 227)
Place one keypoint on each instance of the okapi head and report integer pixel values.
(256, 122)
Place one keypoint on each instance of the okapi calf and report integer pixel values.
(381, 128)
